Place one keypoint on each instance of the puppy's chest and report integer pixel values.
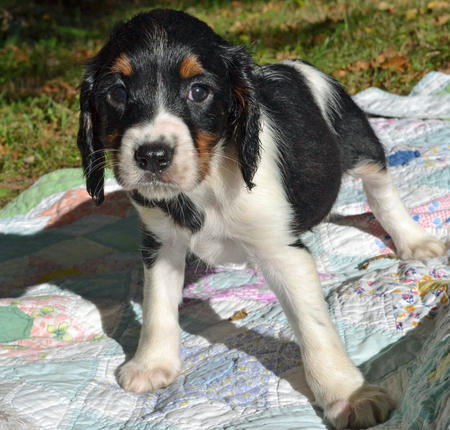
(217, 225)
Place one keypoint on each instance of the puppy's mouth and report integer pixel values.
(159, 185)
(157, 179)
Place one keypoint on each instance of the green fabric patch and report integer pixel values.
(15, 324)
(445, 90)
(52, 183)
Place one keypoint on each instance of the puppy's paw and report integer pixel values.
(422, 247)
(140, 377)
(366, 407)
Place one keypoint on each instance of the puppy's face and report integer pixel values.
(164, 114)
(160, 96)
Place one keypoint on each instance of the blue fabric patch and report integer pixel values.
(400, 158)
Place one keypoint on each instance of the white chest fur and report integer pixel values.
(236, 221)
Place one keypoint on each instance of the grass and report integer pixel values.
(43, 44)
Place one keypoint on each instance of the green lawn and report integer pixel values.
(43, 44)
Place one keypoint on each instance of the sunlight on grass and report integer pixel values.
(390, 45)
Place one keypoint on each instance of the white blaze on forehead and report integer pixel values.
(321, 88)
(170, 127)
(164, 126)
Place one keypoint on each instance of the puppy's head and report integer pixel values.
(162, 95)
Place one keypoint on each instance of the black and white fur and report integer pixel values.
(249, 158)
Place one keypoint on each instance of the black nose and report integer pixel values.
(154, 157)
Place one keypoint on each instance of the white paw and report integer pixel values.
(143, 377)
(366, 407)
(422, 247)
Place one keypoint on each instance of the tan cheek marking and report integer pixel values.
(205, 141)
(190, 66)
(112, 138)
(122, 65)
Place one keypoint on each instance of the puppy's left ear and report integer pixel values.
(89, 144)
(244, 110)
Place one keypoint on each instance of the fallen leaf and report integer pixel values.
(389, 53)
(272, 6)
(397, 63)
(365, 264)
(52, 61)
(237, 27)
(362, 65)
(340, 73)
(83, 54)
(318, 38)
(58, 87)
(411, 14)
(4, 150)
(444, 69)
(238, 315)
(438, 5)
(71, 91)
(383, 6)
(21, 56)
(442, 19)
(435, 284)
(30, 159)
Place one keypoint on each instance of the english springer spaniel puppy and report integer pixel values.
(232, 161)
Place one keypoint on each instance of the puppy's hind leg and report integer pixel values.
(338, 385)
(410, 239)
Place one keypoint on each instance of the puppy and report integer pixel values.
(232, 162)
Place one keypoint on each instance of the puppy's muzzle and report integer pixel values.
(154, 157)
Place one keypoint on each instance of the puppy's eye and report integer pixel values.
(117, 96)
(198, 93)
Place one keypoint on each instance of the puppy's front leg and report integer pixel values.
(338, 386)
(157, 362)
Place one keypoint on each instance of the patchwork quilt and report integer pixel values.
(70, 303)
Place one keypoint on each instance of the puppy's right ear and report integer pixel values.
(89, 144)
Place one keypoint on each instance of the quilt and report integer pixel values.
(70, 303)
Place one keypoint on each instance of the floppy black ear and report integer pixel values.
(89, 144)
(244, 110)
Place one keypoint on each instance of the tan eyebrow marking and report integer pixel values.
(122, 65)
(190, 66)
